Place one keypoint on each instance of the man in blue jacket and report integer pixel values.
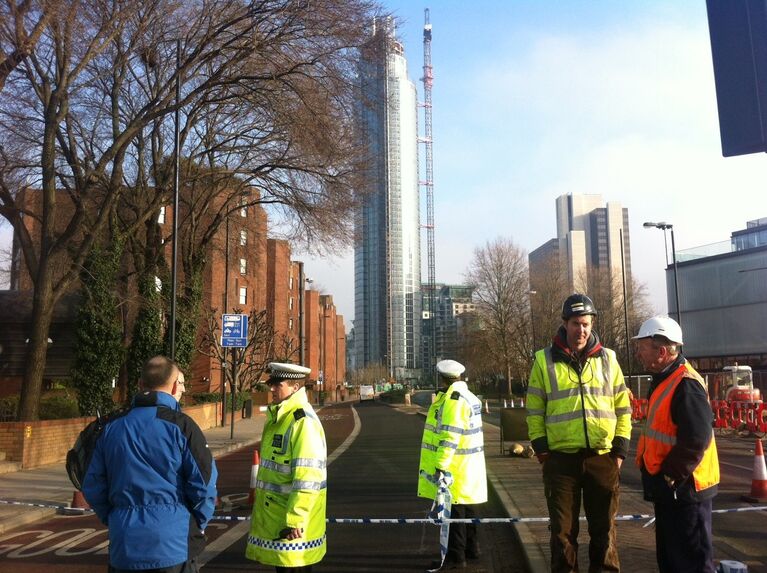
(152, 479)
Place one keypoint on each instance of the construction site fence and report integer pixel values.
(751, 416)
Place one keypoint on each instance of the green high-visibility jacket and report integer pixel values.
(575, 411)
(453, 442)
(291, 490)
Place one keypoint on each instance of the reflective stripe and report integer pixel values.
(429, 447)
(537, 391)
(285, 545)
(577, 415)
(430, 428)
(274, 466)
(457, 430)
(622, 411)
(551, 370)
(535, 412)
(446, 444)
(595, 391)
(661, 437)
(306, 484)
(621, 388)
(467, 451)
(266, 486)
(308, 463)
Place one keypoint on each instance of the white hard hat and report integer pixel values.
(661, 326)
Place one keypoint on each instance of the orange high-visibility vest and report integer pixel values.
(659, 432)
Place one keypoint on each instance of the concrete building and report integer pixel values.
(387, 246)
(451, 302)
(723, 299)
(588, 240)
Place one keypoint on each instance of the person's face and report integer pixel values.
(652, 357)
(578, 331)
(282, 390)
(179, 386)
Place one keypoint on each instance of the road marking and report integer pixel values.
(736, 466)
(241, 529)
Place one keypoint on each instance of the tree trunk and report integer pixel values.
(37, 350)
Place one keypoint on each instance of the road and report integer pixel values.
(372, 474)
(737, 536)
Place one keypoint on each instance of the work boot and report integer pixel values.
(449, 565)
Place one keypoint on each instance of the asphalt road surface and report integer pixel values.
(372, 475)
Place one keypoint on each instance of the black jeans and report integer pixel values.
(683, 537)
(462, 538)
(567, 477)
(189, 566)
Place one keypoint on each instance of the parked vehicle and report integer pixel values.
(738, 384)
(367, 393)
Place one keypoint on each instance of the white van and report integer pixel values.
(367, 393)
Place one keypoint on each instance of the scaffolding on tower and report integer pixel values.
(428, 184)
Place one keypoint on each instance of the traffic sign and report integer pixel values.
(234, 330)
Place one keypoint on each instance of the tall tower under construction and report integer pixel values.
(387, 260)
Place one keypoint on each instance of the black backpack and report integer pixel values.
(79, 457)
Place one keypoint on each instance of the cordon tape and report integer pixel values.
(396, 520)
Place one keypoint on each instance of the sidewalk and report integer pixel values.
(50, 484)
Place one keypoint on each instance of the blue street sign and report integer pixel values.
(234, 330)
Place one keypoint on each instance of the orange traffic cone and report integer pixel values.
(759, 480)
(253, 477)
(78, 501)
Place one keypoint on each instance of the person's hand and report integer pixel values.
(619, 461)
(542, 457)
(291, 533)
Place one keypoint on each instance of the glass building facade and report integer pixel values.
(387, 258)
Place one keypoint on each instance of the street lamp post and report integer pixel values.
(668, 226)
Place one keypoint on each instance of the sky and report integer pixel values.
(534, 99)
(538, 98)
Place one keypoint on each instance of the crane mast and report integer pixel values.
(428, 184)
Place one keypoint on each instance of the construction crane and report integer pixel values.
(428, 184)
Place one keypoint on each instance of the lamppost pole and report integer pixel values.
(174, 248)
(664, 227)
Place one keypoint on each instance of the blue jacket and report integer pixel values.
(152, 482)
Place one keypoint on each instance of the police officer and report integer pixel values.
(676, 451)
(453, 449)
(288, 522)
(579, 422)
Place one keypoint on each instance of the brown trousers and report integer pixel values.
(566, 477)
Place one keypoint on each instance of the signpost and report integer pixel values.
(234, 334)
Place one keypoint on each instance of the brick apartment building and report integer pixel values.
(261, 276)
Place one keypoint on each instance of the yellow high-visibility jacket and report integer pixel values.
(453, 442)
(568, 411)
(291, 489)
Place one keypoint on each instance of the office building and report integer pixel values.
(387, 226)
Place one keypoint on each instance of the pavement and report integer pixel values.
(516, 480)
(50, 485)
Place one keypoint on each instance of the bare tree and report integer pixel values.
(498, 273)
(549, 289)
(21, 26)
(266, 91)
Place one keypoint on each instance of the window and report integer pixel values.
(243, 238)
(290, 324)
(243, 295)
(243, 266)
(291, 283)
(161, 216)
(290, 303)
(243, 211)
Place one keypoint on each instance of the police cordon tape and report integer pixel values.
(394, 520)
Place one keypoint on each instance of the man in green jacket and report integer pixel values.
(579, 422)
(288, 523)
(453, 450)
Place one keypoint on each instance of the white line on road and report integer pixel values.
(235, 533)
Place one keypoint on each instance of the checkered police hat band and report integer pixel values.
(284, 545)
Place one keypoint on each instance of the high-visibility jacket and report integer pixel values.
(659, 433)
(453, 442)
(291, 489)
(571, 410)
